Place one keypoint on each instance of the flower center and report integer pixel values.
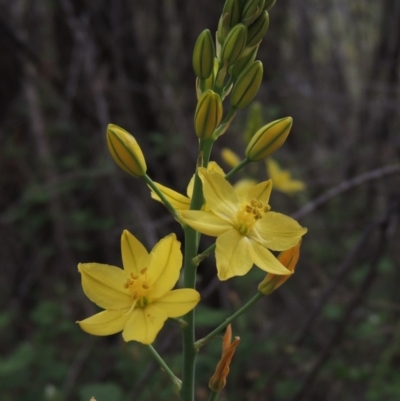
(249, 214)
(138, 288)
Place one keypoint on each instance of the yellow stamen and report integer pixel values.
(138, 289)
(249, 214)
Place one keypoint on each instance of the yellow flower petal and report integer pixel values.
(230, 157)
(266, 261)
(279, 232)
(104, 285)
(144, 324)
(213, 166)
(177, 303)
(105, 323)
(205, 222)
(243, 186)
(134, 254)
(220, 196)
(178, 201)
(261, 191)
(165, 265)
(233, 255)
(282, 179)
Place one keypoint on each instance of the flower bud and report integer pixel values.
(257, 29)
(208, 114)
(218, 380)
(247, 85)
(125, 151)
(251, 11)
(230, 17)
(268, 139)
(289, 259)
(243, 62)
(234, 44)
(204, 55)
(269, 4)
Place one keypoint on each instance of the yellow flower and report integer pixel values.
(138, 298)
(244, 226)
(177, 200)
(282, 179)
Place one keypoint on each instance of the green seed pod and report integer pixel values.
(243, 61)
(204, 55)
(208, 114)
(269, 4)
(251, 11)
(268, 139)
(234, 44)
(125, 151)
(257, 29)
(247, 85)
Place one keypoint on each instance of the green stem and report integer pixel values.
(229, 320)
(165, 367)
(191, 249)
(189, 351)
(164, 200)
(213, 396)
(237, 168)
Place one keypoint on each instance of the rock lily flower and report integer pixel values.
(282, 179)
(245, 227)
(138, 298)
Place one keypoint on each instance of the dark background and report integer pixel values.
(69, 67)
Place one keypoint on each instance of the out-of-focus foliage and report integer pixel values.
(70, 67)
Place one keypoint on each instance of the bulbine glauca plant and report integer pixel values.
(138, 298)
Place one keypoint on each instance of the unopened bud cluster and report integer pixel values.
(230, 65)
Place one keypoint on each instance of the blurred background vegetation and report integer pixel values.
(70, 67)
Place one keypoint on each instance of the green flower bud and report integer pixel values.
(208, 114)
(204, 55)
(252, 10)
(247, 85)
(268, 139)
(229, 18)
(257, 29)
(125, 151)
(269, 4)
(243, 62)
(234, 44)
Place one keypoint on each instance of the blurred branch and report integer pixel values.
(345, 186)
(11, 214)
(23, 48)
(47, 165)
(360, 294)
(385, 230)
